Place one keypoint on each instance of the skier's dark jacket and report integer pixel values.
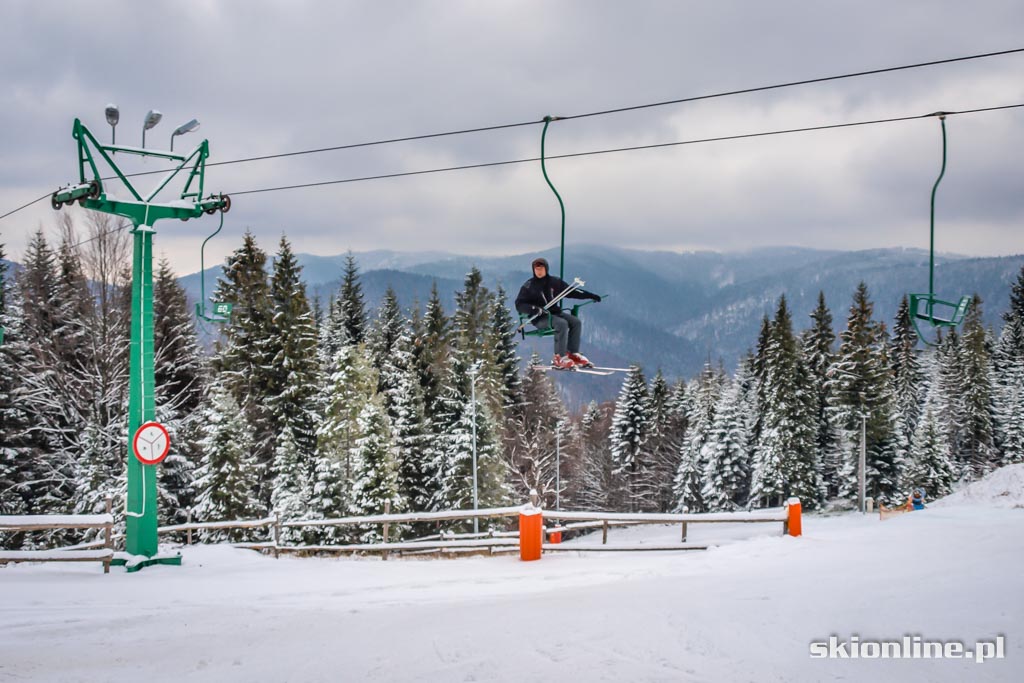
(538, 291)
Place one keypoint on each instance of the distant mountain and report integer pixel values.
(676, 311)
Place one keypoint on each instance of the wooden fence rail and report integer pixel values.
(22, 523)
(444, 542)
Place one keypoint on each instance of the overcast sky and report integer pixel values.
(266, 78)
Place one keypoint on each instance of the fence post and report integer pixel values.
(108, 532)
(387, 510)
(604, 532)
(277, 533)
(683, 539)
(188, 522)
(793, 521)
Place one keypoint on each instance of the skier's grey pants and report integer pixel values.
(567, 331)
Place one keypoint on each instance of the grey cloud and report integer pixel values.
(266, 77)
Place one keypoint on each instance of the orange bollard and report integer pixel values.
(794, 524)
(531, 533)
(555, 536)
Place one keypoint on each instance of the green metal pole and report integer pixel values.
(931, 252)
(141, 511)
(561, 204)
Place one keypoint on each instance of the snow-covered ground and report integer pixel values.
(744, 611)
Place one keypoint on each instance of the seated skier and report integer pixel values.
(535, 294)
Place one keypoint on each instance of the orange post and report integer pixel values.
(794, 522)
(531, 533)
(555, 536)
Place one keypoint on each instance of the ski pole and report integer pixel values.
(576, 284)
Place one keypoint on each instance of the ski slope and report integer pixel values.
(746, 610)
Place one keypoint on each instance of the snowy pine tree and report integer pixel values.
(351, 308)
(909, 386)
(929, 464)
(291, 491)
(861, 384)
(294, 369)
(351, 386)
(689, 478)
(431, 350)
(818, 349)
(245, 354)
(1010, 391)
(631, 425)
(726, 454)
(975, 449)
(376, 476)
(380, 340)
(228, 477)
(785, 461)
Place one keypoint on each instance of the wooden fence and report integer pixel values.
(29, 523)
(489, 542)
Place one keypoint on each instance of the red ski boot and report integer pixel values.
(580, 360)
(562, 363)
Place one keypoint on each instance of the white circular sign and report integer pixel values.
(152, 443)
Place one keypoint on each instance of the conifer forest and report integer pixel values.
(328, 409)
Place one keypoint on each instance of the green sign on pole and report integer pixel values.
(143, 211)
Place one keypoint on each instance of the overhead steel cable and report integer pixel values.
(24, 206)
(570, 155)
(696, 98)
(790, 84)
(723, 138)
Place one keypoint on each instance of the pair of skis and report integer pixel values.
(588, 370)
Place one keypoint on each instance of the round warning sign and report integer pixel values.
(151, 443)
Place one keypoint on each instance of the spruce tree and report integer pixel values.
(1015, 311)
(380, 340)
(17, 459)
(689, 479)
(351, 386)
(403, 398)
(785, 456)
(1010, 392)
(502, 336)
(431, 350)
(631, 427)
(908, 377)
(228, 477)
(294, 370)
(351, 309)
(291, 491)
(664, 441)
(975, 449)
(376, 476)
(245, 353)
(726, 477)
(929, 463)
(818, 349)
(861, 385)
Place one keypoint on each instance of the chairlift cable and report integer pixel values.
(479, 129)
